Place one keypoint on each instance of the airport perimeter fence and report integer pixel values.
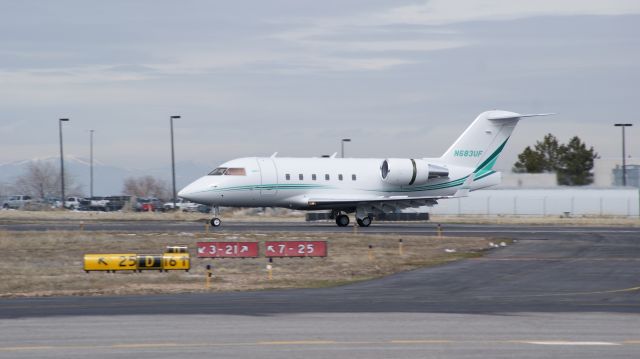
(620, 202)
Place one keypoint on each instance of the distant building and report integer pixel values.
(633, 175)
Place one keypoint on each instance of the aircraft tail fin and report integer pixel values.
(482, 142)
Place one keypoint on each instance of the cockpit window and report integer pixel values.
(228, 171)
(235, 172)
(218, 171)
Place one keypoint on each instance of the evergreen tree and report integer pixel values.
(545, 157)
(572, 162)
(576, 163)
(549, 149)
(529, 161)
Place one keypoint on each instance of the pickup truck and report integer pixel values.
(16, 202)
(72, 202)
(181, 204)
(94, 204)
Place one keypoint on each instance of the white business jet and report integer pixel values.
(364, 186)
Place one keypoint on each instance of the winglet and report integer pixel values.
(334, 155)
(463, 191)
(274, 155)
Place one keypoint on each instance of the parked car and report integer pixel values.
(148, 205)
(72, 202)
(182, 205)
(16, 202)
(94, 204)
(116, 203)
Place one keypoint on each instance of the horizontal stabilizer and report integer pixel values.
(465, 188)
(511, 115)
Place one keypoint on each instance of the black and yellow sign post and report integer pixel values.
(176, 249)
(207, 282)
(176, 261)
(149, 262)
(110, 262)
(133, 262)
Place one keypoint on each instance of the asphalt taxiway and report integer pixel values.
(557, 292)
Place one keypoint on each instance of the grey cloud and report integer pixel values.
(244, 89)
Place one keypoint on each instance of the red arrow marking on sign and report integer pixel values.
(270, 249)
(201, 249)
(244, 249)
(101, 261)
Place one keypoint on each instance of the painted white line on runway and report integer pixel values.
(560, 342)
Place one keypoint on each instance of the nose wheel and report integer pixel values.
(216, 222)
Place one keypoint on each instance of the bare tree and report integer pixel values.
(146, 186)
(42, 179)
(4, 190)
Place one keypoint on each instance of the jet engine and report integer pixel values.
(410, 172)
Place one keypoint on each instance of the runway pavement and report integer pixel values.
(417, 228)
(558, 292)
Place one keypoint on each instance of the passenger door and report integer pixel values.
(269, 176)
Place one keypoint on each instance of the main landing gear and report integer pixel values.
(364, 222)
(342, 220)
(215, 221)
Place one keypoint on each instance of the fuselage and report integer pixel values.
(297, 182)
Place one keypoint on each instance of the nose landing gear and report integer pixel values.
(215, 221)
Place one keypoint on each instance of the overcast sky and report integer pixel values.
(401, 78)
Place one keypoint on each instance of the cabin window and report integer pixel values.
(340, 177)
(230, 171)
(326, 177)
(287, 176)
(353, 177)
(313, 176)
(300, 177)
(218, 171)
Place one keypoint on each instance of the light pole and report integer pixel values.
(624, 160)
(173, 162)
(91, 162)
(342, 145)
(60, 121)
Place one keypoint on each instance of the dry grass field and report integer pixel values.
(51, 263)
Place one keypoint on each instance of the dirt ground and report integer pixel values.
(51, 263)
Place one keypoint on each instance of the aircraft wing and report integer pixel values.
(395, 202)
(392, 201)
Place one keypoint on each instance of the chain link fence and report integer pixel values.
(544, 202)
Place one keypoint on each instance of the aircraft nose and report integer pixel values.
(195, 192)
(184, 193)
